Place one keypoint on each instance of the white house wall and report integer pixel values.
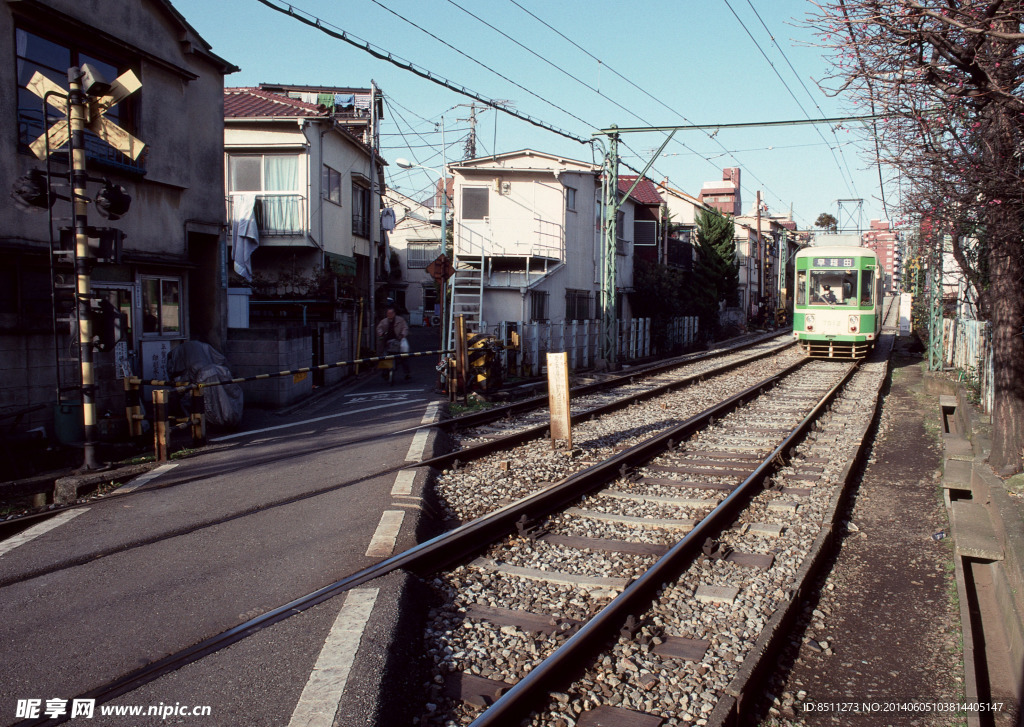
(527, 220)
(408, 229)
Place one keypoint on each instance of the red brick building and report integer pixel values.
(885, 242)
(724, 196)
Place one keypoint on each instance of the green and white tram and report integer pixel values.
(837, 312)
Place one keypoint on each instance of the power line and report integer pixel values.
(479, 63)
(384, 55)
(781, 79)
(643, 91)
(807, 91)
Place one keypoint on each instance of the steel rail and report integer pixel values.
(565, 663)
(438, 552)
(476, 451)
(14, 525)
(612, 381)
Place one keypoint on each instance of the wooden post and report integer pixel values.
(198, 417)
(133, 405)
(462, 357)
(160, 424)
(558, 399)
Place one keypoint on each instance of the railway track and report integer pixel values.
(668, 405)
(668, 569)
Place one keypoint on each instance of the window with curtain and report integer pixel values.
(276, 178)
(360, 210)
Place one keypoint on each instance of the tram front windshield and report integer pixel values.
(833, 287)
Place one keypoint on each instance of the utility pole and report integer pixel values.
(610, 188)
(374, 192)
(610, 204)
(760, 257)
(469, 151)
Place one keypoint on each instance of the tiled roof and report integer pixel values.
(240, 103)
(645, 193)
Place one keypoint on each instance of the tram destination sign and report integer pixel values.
(832, 262)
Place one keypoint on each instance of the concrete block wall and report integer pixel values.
(254, 351)
(27, 377)
(337, 347)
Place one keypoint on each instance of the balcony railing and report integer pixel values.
(277, 214)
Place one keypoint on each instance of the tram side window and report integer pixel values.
(801, 287)
(866, 288)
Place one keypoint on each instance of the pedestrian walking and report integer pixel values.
(392, 338)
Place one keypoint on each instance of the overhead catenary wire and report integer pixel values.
(381, 54)
(648, 94)
(871, 98)
(480, 63)
(809, 95)
(785, 85)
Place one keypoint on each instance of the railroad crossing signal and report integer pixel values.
(125, 85)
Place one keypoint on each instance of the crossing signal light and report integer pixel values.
(31, 192)
(112, 201)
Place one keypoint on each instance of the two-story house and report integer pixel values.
(415, 243)
(169, 281)
(528, 242)
(682, 213)
(310, 186)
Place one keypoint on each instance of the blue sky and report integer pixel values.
(578, 67)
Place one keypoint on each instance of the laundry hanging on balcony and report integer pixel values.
(245, 236)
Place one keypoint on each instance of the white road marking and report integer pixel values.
(386, 393)
(36, 530)
(403, 483)
(147, 478)
(431, 415)
(350, 412)
(418, 446)
(326, 684)
(382, 544)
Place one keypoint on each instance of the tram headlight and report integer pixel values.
(854, 324)
(809, 321)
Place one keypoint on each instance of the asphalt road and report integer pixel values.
(262, 516)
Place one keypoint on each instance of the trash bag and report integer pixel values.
(201, 363)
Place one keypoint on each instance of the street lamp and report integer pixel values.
(406, 164)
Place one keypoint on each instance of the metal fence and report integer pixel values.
(967, 347)
(526, 344)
